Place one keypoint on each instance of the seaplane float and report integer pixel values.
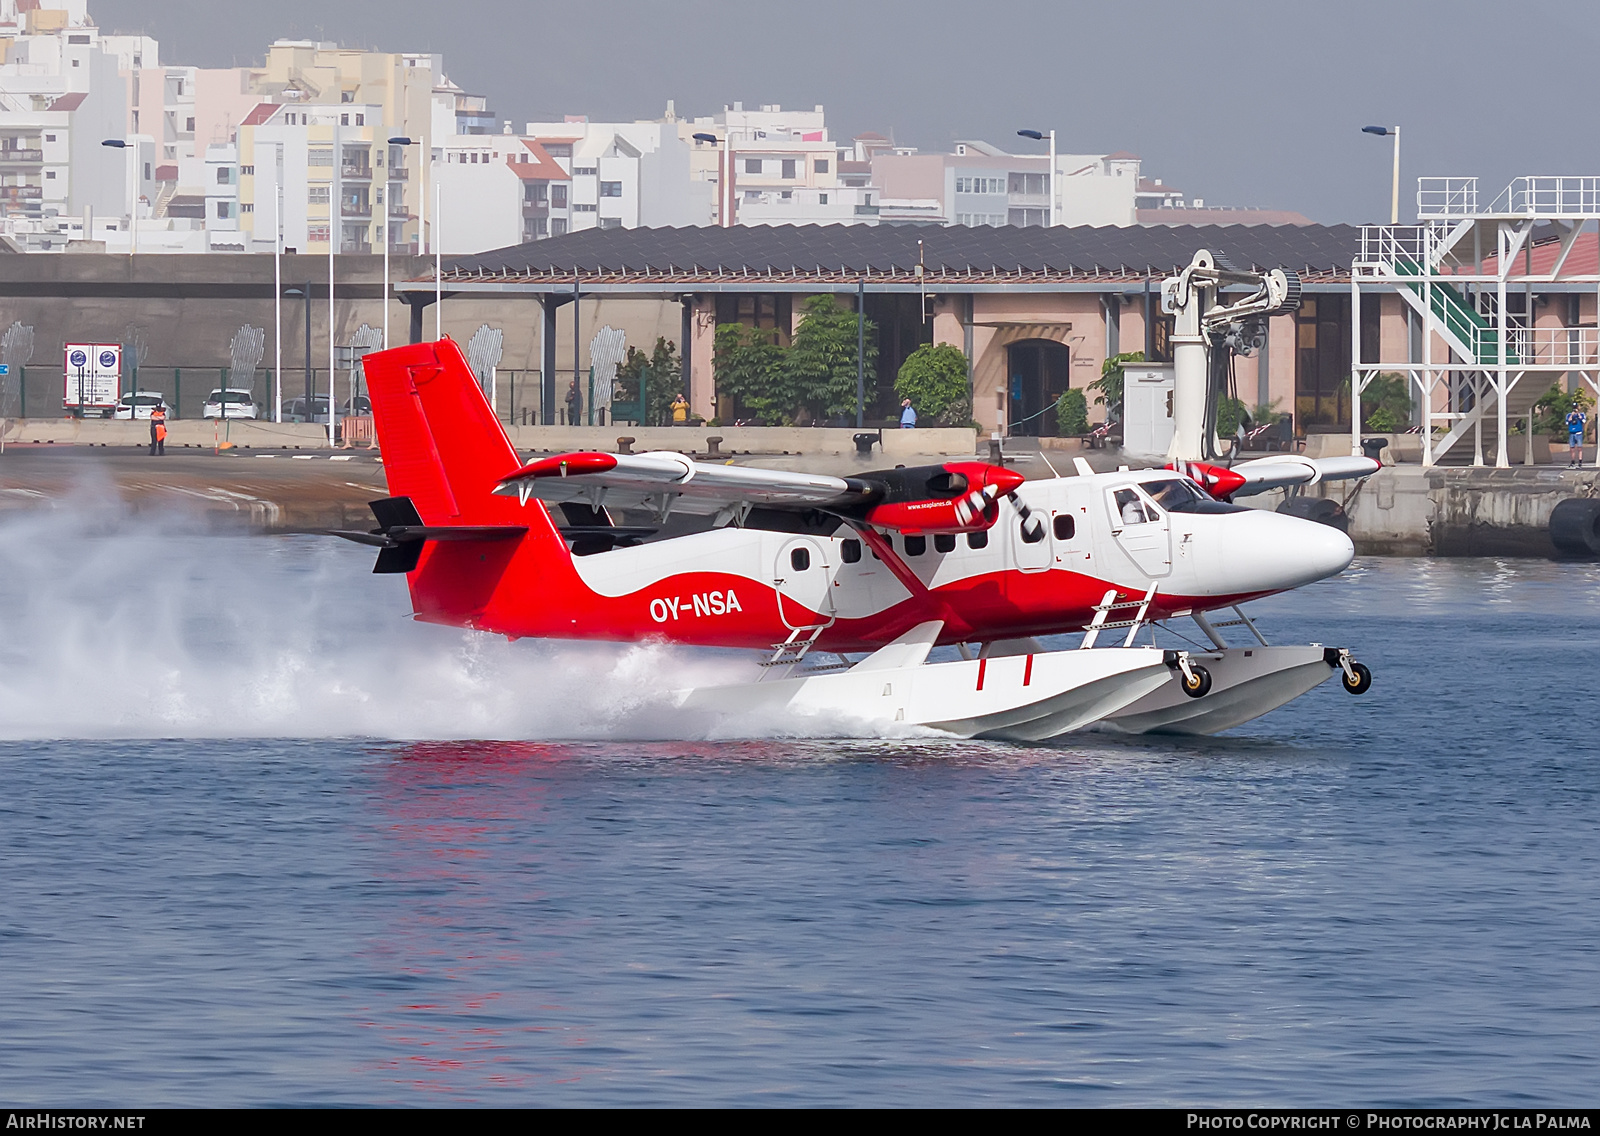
(846, 584)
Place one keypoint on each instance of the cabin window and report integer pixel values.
(850, 550)
(916, 545)
(800, 559)
(1065, 527)
(978, 540)
(944, 542)
(1129, 509)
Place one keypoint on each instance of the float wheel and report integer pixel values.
(1363, 679)
(1197, 683)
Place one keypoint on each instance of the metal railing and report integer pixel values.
(1575, 347)
(1550, 196)
(1454, 198)
(1394, 244)
(1447, 196)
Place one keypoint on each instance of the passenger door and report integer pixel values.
(804, 583)
(1141, 530)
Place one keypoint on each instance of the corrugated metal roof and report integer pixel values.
(851, 251)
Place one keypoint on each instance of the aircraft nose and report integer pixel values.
(1263, 551)
(1325, 551)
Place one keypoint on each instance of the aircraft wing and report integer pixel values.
(664, 482)
(1278, 471)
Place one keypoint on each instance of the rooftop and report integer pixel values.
(794, 257)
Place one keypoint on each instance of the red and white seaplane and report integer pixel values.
(887, 563)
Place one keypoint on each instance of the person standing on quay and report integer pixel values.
(680, 410)
(574, 405)
(158, 431)
(1576, 421)
(908, 415)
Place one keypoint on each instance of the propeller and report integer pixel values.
(1032, 525)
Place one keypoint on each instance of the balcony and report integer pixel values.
(21, 193)
(535, 209)
(399, 173)
(362, 248)
(354, 209)
(356, 173)
(20, 156)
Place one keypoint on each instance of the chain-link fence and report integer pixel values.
(37, 390)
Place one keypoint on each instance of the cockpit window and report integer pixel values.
(1129, 509)
(1174, 494)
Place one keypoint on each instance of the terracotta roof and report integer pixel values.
(869, 135)
(542, 168)
(167, 173)
(71, 101)
(1122, 156)
(261, 114)
(1583, 260)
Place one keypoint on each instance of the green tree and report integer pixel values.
(1109, 384)
(1550, 412)
(660, 388)
(1072, 413)
(1386, 403)
(1230, 416)
(822, 362)
(748, 363)
(934, 378)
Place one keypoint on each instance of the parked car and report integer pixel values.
(229, 402)
(295, 409)
(361, 404)
(139, 404)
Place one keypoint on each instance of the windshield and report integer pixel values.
(141, 400)
(241, 398)
(1180, 495)
(1174, 493)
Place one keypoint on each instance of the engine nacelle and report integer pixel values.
(961, 497)
(1219, 481)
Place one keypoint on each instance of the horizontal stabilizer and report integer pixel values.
(400, 534)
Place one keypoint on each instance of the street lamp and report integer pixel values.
(133, 194)
(1040, 137)
(724, 190)
(305, 291)
(438, 203)
(1394, 192)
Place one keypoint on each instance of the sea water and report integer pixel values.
(251, 854)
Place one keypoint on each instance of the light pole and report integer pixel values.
(1039, 137)
(305, 290)
(277, 298)
(422, 227)
(1394, 190)
(133, 194)
(725, 197)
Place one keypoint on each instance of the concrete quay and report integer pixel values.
(1406, 510)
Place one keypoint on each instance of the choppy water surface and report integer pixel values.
(1389, 899)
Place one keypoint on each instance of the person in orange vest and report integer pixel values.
(158, 431)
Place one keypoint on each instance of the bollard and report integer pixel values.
(711, 447)
(625, 445)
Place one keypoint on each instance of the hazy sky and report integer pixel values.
(1241, 102)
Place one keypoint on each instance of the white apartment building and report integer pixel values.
(499, 190)
(325, 172)
(623, 175)
(980, 184)
(62, 92)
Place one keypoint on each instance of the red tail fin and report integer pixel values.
(444, 449)
(442, 445)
